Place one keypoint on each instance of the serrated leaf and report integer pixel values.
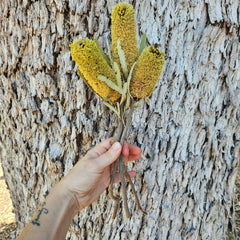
(137, 106)
(110, 83)
(102, 52)
(142, 43)
(118, 108)
(125, 89)
(84, 79)
(122, 99)
(80, 74)
(124, 95)
(105, 98)
(109, 52)
(89, 86)
(86, 82)
(112, 108)
(118, 75)
(122, 59)
(129, 78)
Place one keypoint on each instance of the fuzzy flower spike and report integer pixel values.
(146, 72)
(91, 65)
(124, 33)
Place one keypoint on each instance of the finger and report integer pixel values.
(109, 156)
(132, 157)
(125, 149)
(129, 149)
(101, 148)
(117, 178)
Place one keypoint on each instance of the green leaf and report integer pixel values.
(84, 79)
(105, 99)
(125, 88)
(112, 108)
(142, 43)
(122, 59)
(109, 52)
(117, 70)
(110, 83)
(137, 106)
(118, 108)
(124, 95)
(129, 78)
(102, 52)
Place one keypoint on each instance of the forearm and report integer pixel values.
(52, 219)
(82, 185)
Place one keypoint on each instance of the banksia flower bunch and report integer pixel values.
(121, 80)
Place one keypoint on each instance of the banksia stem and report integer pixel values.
(92, 64)
(146, 72)
(124, 29)
(122, 136)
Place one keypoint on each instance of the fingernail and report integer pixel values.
(116, 146)
(112, 141)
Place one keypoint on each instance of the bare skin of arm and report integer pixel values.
(78, 189)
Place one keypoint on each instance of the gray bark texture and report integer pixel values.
(188, 130)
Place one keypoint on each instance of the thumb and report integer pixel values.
(110, 156)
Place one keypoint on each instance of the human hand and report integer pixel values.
(91, 175)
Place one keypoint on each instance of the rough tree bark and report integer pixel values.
(189, 129)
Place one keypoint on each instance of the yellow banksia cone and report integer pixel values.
(146, 72)
(124, 29)
(91, 65)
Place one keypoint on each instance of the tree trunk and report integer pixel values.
(189, 129)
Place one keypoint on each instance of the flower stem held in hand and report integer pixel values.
(121, 137)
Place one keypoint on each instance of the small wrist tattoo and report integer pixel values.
(40, 211)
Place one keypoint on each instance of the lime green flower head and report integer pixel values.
(124, 29)
(91, 65)
(146, 72)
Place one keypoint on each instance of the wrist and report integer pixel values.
(70, 200)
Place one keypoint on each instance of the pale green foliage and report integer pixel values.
(102, 52)
(84, 79)
(122, 59)
(109, 52)
(142, 43)
(118, 74)
(112, 108)
(129, 78)
(124, 96)
(110, 83)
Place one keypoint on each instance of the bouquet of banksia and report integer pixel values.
(121, 79)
